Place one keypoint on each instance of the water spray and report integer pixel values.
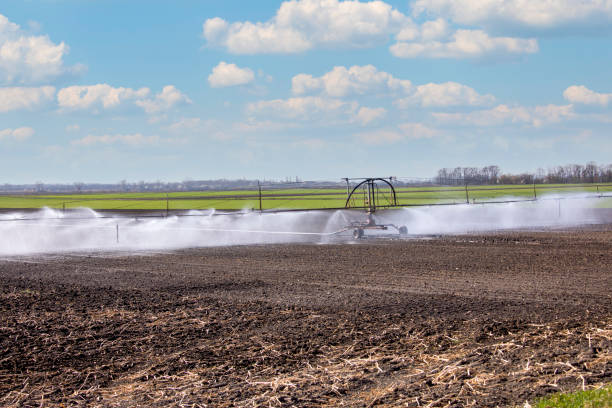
(51, 231)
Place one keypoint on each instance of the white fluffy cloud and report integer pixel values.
(304, 24)
(583, 95)
(30, 59)
(100, 95)
(168, 98)
(428, 31)
(465, 44)
(444, 94)
(135, 139)
(301, 25)
(367, 115)
(536, 14)
(225, 74)
(24, 98)
(322, 110)
(356, 80)
(503, 114)
(433, 30)
(104, 96)
(304, 108)
(367, 80)
(19, 134)
(417, 131)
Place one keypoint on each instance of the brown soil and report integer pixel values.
(488, 320)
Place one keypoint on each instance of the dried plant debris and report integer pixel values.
(435, 323)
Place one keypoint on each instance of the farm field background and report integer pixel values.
(296, 199)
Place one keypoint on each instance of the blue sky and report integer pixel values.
(101, 91)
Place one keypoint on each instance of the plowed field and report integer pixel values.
(487, 320)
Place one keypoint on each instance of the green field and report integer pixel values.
(598, 398)
(295, 198)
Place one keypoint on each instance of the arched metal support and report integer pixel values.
(370, 205)
(371, 185)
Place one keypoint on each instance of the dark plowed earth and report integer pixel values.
(487, 320)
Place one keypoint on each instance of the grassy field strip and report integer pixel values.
(230, 204)
(313, 192)
(172, 195)
(598, 398)
(292, 198)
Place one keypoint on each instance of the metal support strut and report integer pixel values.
(370, 203)
(370, 198)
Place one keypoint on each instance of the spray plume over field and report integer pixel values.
(54, 231)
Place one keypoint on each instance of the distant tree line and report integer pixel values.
(570, 173)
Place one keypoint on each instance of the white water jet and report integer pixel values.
(547, 212)
(50, 231)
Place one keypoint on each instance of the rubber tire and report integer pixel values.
(357, 233)
(403, 230)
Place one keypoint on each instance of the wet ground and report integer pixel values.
(470, 320)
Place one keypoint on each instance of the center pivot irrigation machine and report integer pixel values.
(367, 195)
(370, 194)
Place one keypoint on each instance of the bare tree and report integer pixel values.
(570, 173)
(78, 186)
(124, 185)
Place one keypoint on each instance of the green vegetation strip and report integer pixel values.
(292, 198)
(597, 398)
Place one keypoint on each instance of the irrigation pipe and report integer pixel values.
(123, 227)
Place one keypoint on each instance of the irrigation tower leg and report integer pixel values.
(259, 188)
(348, 190)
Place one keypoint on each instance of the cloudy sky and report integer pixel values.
(105, 90)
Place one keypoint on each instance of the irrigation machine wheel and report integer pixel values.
(357, 233)
(403, 230)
